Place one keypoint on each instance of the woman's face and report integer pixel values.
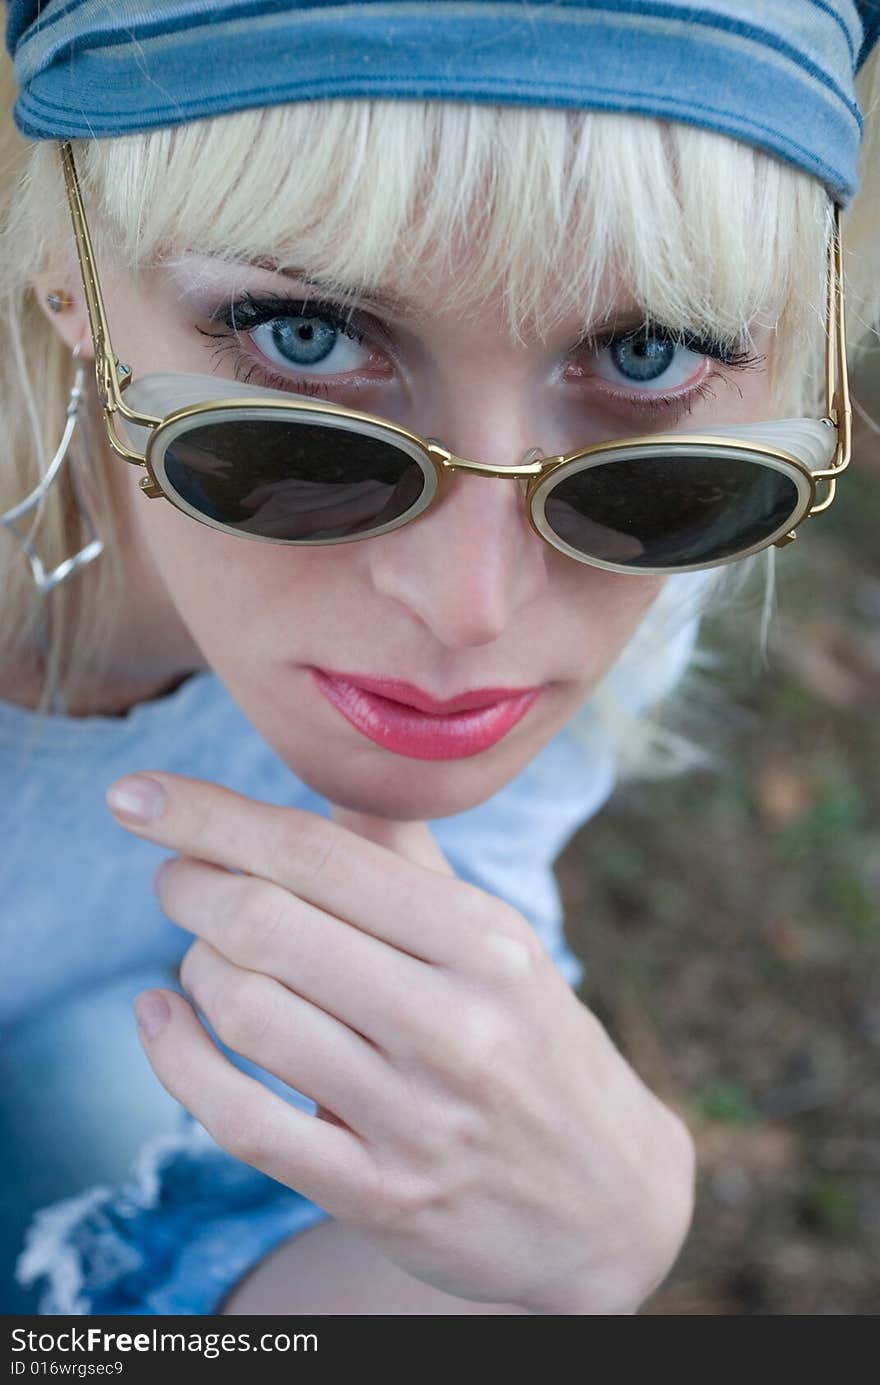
(465, 598)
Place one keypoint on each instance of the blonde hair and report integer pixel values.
(709, 234)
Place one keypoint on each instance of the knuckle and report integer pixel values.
(404, 1198)
(417, 1198)
(462, 1130)
(243, 1012)
(241, 1133)
(256, 913)
(514, 958)
(483, 1045)
(423, 1190)
(307, 842)
(439, 1131)
(509, 950)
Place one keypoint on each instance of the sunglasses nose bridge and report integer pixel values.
(450, 462)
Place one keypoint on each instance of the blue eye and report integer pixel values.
(303, 340)
(642, 358)
(322, 342)
(314, 337)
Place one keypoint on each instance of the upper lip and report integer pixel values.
(411, 696)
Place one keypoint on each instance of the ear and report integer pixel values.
(72, 324)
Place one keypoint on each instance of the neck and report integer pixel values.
(113, 696)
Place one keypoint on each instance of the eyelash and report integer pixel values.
(670, 408)
(250, 312)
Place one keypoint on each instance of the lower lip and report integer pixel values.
(407, 731)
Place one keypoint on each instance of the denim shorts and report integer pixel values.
(114, 1200)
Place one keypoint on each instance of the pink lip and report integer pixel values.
(402, 718)
(411, 696)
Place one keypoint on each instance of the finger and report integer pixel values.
(412, 840)
(381, 993)
(310, 1050)
(323, 1161)
(431, 915)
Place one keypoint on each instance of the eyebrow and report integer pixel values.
(623, 322)
(386, 300)
(394, 304)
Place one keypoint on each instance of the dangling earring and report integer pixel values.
(44, 580)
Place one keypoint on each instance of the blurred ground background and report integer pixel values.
(729, 923)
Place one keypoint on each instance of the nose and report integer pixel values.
(471, 562)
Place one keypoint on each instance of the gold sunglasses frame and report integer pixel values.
(113, 378)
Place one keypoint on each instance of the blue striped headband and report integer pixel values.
(778, 74)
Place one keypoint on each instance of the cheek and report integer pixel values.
(198, 563)
(600, 611)
(227, 589)
(624, 602)
(582, 625)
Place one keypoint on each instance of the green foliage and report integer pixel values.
(829, 1205)
(727, 1101)
(848, 901)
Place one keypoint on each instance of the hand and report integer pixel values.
(475, 1121)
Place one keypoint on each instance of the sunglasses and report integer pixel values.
(284, 469)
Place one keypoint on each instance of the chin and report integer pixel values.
(403, 789)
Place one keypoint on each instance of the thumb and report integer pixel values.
(412, 840)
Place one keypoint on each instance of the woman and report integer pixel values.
(600, 224)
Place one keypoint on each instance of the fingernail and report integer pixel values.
(152, 1012)
(137, 798)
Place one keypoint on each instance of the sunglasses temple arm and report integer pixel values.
(841, 400)
(106, 364)
(837, 397)
(110, 375)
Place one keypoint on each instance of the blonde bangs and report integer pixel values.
(543, 209)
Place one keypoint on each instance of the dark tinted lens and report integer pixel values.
(283, 479)
(670, 511)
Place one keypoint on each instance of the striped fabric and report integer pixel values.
(775, 73)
